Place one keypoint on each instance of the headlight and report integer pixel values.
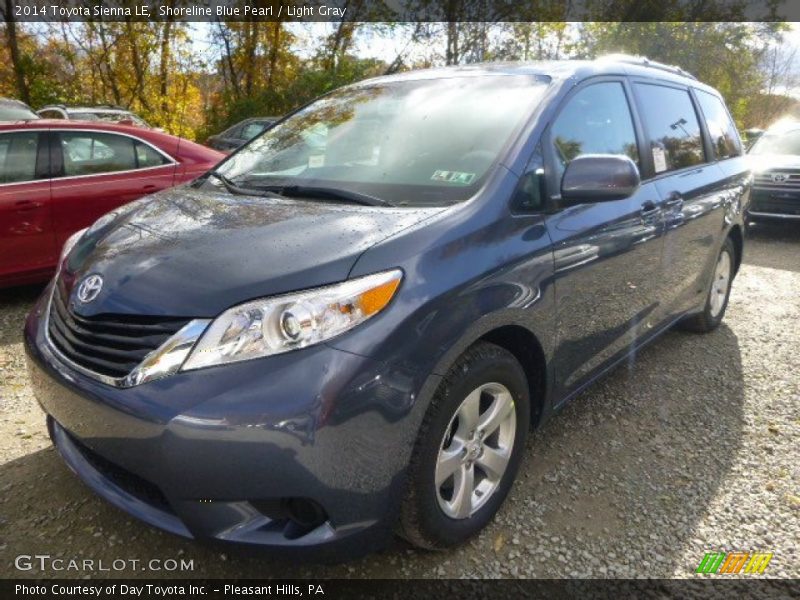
(283, 323)
(70, 244)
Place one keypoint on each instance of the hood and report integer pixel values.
(194, 253)
(773, 162)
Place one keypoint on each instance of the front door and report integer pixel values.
(27, 244)
(607, 254)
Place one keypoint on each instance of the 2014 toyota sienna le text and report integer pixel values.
(347, 329)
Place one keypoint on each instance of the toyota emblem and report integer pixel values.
(779, 177)
(90, 288)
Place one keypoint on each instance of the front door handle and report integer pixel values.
(648, 210)
(674, 201)
(24, 206)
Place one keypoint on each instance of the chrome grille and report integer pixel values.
(764, 180)
(110, 344)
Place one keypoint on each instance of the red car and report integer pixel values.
(58, 176)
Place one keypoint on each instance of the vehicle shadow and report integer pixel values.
(632, 464)
(775, 245)
(14, 306)
(630, 467)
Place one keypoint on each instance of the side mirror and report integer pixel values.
(599, 178)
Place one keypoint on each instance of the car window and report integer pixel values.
(529, 195)
(596, 120)
(147, 156)
(84, 116)
(672, 125)
(18, 156)
(724, 135)
(87, 153)
(251, 130)
(232, 132)
(16, 111)
(51, 114)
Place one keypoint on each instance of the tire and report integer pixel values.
(486, 378)
(718, 294)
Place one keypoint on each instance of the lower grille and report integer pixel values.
(108, 344)
(768, 203)
(139, 488)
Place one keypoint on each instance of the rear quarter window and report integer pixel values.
(724, 136)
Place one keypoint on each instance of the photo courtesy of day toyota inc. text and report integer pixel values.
(361, 297)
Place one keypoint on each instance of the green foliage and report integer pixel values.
(727, 56)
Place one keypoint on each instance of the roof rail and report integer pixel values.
(643, 61)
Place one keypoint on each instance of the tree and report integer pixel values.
(12, 42)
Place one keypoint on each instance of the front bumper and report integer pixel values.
(200, 453)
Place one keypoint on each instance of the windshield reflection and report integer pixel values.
(419, 142)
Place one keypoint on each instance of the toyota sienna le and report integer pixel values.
(348, 327)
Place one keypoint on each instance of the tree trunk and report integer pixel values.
(138, 69)
(110, 75)
(228, 58)
(164, 65)
(251, 41)
(277, 29)
(16, 59)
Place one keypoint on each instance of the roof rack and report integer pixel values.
(643, 61)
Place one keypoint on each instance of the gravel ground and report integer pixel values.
(692, 448)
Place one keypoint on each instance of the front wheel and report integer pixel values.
(718, 293)
(468, 450)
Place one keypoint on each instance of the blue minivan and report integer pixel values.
(347, 329)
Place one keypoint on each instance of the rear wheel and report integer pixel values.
(718, 293)
(468, 450)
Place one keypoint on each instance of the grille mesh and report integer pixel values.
(108, 344)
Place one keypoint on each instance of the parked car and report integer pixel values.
(349, 326)
(239, 134)
(57, 177)
(775, 160)
(15, 110)
(751, 135)
(104, 112)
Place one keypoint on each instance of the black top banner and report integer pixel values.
(400, 10)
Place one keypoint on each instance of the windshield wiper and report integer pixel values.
(242, 191)
(312, 191)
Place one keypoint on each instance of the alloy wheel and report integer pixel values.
(475, 450)
(721, 284)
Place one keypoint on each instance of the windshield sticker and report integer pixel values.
(315, 162)
(659, 159)
(453, 177)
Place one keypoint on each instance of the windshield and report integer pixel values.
(778, 143)
(12, 112)
(423, 142)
